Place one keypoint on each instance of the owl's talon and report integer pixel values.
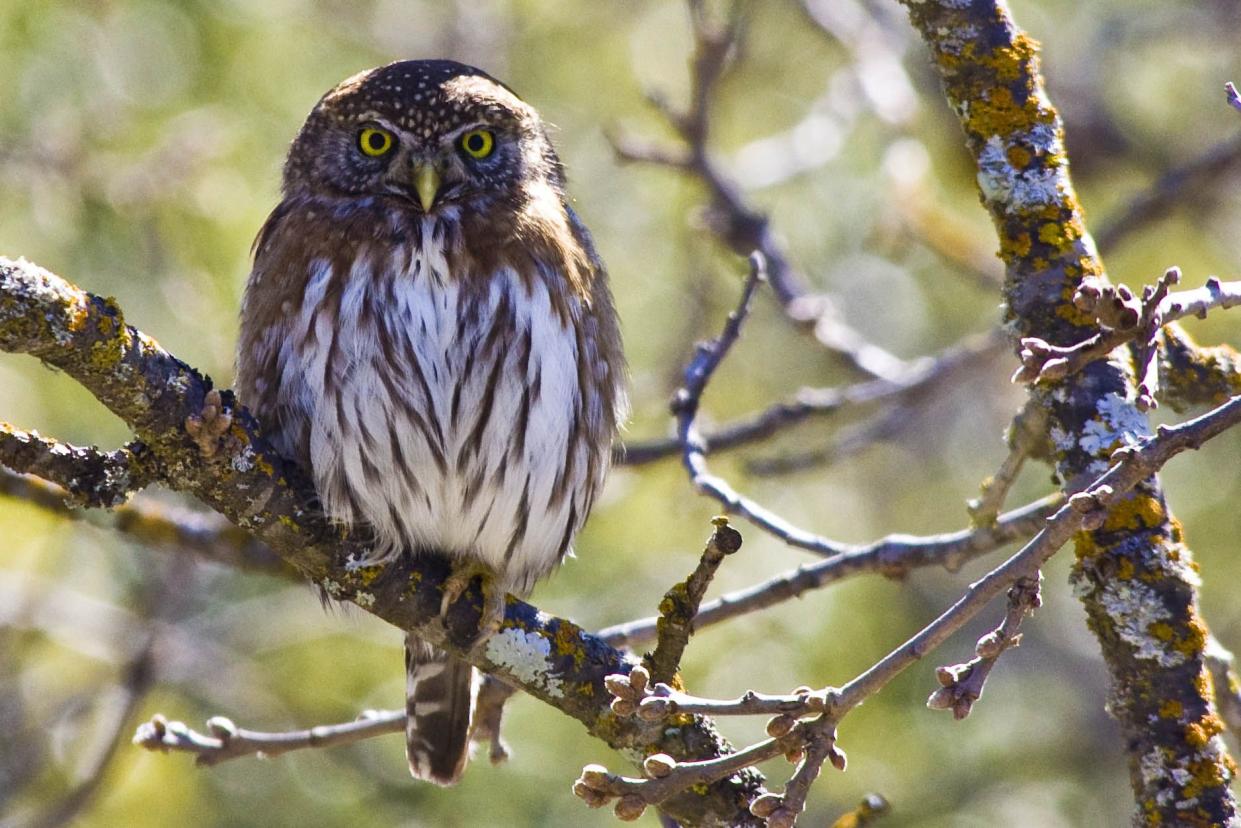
(458, 583)
(210, 424)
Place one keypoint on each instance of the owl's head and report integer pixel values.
(428, 132)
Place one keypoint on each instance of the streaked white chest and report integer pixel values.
(446, 420)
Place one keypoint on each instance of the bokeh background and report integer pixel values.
(140, 150)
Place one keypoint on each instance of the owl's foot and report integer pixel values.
(459, 581)
(210, 424)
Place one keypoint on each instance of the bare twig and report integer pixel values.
(737, 224)
(679, 608)
(893, 556)
(161, 600)
(225, 741)
(1234, 100)
(1172, 186)
(962, 684)
(489, 718)
(159, 525)
(1027, 431)
(922, 374)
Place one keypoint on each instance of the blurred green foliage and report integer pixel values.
(140, 149)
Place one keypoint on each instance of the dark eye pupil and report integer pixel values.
(474, 143)
(375, 141)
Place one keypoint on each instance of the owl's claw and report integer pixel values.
(493, 597)
(209, 424)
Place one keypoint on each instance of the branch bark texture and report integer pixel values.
(1134, 574)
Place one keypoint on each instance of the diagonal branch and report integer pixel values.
(156, 394)
(807, 739)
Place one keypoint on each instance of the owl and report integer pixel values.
(428, 330)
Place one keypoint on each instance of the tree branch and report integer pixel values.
(155, 394)
(812, 741)
(894, 556)
(88, 476)
(923, 373)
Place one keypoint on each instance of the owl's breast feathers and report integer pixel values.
(452, 383)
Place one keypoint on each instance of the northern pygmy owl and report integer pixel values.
(428, 330)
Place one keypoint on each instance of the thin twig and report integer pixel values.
(157, 524)
(1126, 318)
(893, 556)
(808, 403)
(1172, 186)
(962, 684)
(489, 718)
(1027, 431)
(732, 220)
(1234, 100)
(225, 741)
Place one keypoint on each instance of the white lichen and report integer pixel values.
(1133, 608)
(1015, 190)
(364, 599)
(525, 656)
(1118, 423)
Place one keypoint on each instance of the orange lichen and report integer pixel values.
(568, 642)
(1019, 157)
(1162, 631)
(1171, 709)
(1200, 732)
(1137, 512)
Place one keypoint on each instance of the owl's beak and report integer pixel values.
(427, 183)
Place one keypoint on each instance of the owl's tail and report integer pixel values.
(439, 699)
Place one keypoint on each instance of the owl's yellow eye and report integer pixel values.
(375, 142)
(478, 143)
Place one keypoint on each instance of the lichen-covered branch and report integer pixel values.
(810, 741)
(88, 476)
(1191, 374)
(156, 394)
(806, 740)
(679, 608)
(1133, 572)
